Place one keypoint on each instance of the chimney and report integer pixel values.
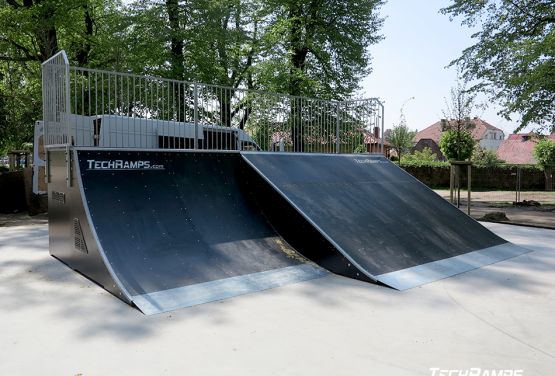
(444, 124)
(376, 133)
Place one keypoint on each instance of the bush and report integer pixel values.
(485, 158)
(422, 158)
(544, 152)
(360, 149)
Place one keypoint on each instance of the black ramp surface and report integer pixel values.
(391, 227)
(181, 232)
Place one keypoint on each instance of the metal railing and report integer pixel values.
(89, 107)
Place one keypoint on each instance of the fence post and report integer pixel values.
(383, 134)
(469, 188)
(67, 93)
(338, 124)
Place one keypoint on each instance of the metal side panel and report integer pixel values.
(98, 267)
(59, 212)
(72, 239)
(419, 275)
(187, 296)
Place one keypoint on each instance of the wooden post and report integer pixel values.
(451, 180)
(455, 182)
(469, 178)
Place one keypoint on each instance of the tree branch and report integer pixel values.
(28, 55)
(13, 3)
(16, 59)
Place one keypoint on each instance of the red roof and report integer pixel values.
(517, 149)
(434, 131)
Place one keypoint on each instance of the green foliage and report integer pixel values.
(485, 158)
(318, 48)
(34, 30)
(513, 57)
(20, 106)
(361, 148)
(544, 152)
(401, 139)
(422, 158)
(456, 145)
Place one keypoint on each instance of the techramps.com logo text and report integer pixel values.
(476, 372)
(367, 161)
(120, 164)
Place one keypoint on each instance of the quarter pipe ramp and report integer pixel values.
(385, 225)
(164, 230)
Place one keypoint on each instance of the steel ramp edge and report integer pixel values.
(415, 276)
(187, 296)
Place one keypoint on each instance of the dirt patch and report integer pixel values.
(541, 216)
(495, 217)
(527, 215)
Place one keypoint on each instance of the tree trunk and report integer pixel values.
(177, 60)
(299, 52)
(176, 42)
(84, 51)
(47, 36)
(225, 107)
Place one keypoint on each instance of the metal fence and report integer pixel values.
(89, 107)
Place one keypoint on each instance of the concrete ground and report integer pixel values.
(54, 321)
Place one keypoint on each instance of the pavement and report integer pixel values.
(54, 321)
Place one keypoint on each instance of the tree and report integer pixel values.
(544, 152)
(485, 158)
(513, 57)
(457, 125)
(318, 48)
(456, 145)
(458, 109)
(312, 48)
(401, 138)
(33, 31)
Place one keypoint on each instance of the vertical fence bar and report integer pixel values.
(195, 114)
(338, 123)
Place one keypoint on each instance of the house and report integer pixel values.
(487, 135)
(518, 148)
(373, 142)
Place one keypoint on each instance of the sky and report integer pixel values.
(411, 62)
